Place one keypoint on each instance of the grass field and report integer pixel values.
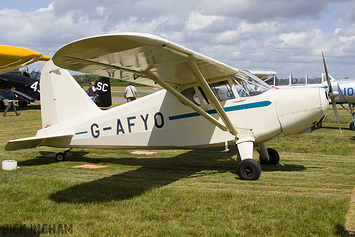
(179, 192)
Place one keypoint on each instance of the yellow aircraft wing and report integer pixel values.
(127, 56)
(12, 57)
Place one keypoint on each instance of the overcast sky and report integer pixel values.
(284, 36)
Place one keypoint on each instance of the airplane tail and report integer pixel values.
(61, 96)
(62, 99)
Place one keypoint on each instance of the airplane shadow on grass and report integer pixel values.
(152, 173)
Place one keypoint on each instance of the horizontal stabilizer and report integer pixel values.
(33, 142)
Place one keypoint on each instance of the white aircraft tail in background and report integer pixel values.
(189, 113)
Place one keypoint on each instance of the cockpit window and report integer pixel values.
(221, 89)
(248, 84)
(245, 83)
(36, 74)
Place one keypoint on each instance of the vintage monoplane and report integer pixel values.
(187, 114)
(27, 86)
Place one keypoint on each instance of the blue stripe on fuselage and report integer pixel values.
(79, 133)
(227, 109)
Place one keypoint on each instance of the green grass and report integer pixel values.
(179, 192)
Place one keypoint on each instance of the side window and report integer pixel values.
(190, 94)
(221, 89)
(193, 96)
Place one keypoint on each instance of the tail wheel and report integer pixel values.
(274, 157)
(249, 169)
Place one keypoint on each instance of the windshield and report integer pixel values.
(248, 84)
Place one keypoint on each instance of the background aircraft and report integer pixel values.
(12, 57)
(344, 90)
(27, 86)
(169, 118)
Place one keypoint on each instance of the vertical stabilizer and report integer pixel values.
(61, 96)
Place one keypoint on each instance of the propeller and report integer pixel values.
(332, 95)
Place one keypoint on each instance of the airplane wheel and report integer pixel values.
(60, 156)
(352, 126)
(22, 103)
(274, 157)
(2, 104)
(249, 169)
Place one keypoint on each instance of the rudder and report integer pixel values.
(61, 96)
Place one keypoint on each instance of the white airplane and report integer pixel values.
(170, 118)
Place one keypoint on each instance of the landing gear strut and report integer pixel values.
(351, 112)
(61, 155)
(248, 169)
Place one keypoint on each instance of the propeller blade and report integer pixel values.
(332, 95)
(327, 76)
(336, 115)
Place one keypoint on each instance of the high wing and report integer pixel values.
(149, 60)
(12, 57)
(128, 56)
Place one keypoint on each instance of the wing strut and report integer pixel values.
(211, 96)
(186, 101)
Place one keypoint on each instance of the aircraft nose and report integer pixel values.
(299, 108)
(323, 94)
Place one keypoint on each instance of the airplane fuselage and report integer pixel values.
(160, 120)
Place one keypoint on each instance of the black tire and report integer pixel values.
(274, 157)
(249, 169)
(22, 103)
(352, 126)
(60, 156)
